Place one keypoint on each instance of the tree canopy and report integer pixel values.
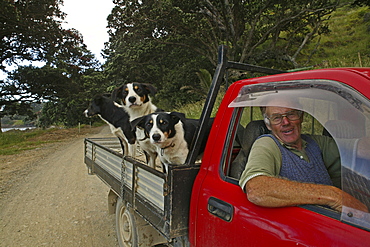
(31, 31)
(167, 42)
(170, 43)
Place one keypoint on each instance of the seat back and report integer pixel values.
(246, 139)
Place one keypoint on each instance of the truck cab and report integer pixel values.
(336, 102)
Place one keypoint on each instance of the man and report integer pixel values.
(289, 169)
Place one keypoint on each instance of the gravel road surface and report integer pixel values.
(52, 201)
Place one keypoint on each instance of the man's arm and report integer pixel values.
(276, 192)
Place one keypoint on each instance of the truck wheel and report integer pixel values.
(125, 225)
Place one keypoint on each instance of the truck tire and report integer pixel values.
(125, 225)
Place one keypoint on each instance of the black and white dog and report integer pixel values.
(171, 133)
(135, 99)
(117, 119)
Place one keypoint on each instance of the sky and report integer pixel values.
(89, 17)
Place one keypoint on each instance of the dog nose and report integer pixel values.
(156, 137)
(132, 99)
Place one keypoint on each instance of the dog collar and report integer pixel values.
(169, 146)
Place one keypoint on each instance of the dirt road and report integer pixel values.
(55, 203)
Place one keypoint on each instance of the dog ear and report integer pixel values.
(94, 106)
(98, 99)
(137, 122)
(177, 116)
(117, 93)
(152, 90)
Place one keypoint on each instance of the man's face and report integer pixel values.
(288, 131)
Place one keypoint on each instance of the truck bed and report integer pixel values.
(163, 200)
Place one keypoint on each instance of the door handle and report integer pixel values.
(221, 209)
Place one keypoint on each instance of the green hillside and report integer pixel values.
(347, 44)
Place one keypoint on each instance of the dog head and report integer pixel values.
(160, 127)
(133, 94)
(95, 105)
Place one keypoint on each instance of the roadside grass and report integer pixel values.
(16, 141)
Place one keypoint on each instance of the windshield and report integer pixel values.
(345, 115)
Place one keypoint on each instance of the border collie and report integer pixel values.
(171, 133)
(135, 99)
(117, 119)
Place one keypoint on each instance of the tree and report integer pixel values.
(31, 31)
(68, 110)
(160, 39)
(66, 94)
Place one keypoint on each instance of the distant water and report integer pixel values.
(23, 128)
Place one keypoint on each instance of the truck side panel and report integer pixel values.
(161, 199)
(146, 184)
(103, 161)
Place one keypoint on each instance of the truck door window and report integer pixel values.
(239, 142)
(248, 126)
(343, 112)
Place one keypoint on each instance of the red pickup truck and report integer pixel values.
(202, 204)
